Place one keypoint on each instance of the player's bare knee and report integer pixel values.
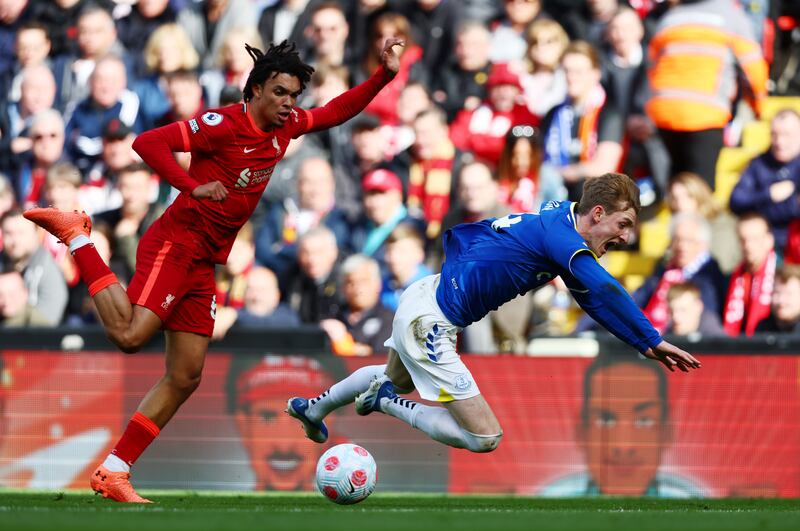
(185, 383)
(480, 443)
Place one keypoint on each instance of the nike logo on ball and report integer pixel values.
(248, 150)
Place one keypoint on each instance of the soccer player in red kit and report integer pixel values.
(234, 151)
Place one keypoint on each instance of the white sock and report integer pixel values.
(342, 393)
(437, 422)
(78, 242)
(115, 464)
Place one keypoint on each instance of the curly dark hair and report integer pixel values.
(279, 58)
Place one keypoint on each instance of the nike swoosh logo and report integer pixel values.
(246, 150)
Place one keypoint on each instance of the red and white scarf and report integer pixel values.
(749, 297)
(657, 309)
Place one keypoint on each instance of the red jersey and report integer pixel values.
(227, 146)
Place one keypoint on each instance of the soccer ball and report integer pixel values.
(346, 474)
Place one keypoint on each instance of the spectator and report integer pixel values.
(363, 323)
(231, 279)
(383, 211)
(168, 50)
(146, 18)
(327, 83)
(287, 220)
(60, 17)
(328, 32)
(13, 14)
(361, 16)
(687, 314)
(525, 181)
(405, 261)
(544, 84)
(262, 307)
(769, 183)
(37, 93)
(32, 47)
(697, 53)
(128, 223)
(24, 254)
(109, 98)
(62, 191)
(433, 27)
(370, 144)
(7, 200)
(233, 63)
(47, 133)
(583, 135)
(689, 193)
(429, 167)
(101, 193)
(785, 315)
(460, 82)
(208, 22)
(414, 99)
(590, 22)
(508, 36)
(313, 292)
(96, 39)
(287, 20)
(185, 96)
(752, 282)
(386, 26)
(689, 260)
(625, 78)
(15, 312)
(482, 131)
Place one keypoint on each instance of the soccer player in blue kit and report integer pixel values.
(487, 264)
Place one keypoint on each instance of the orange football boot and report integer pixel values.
(63, 225)
(115, 485)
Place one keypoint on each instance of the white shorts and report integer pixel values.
(426, 343)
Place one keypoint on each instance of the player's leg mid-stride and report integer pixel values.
(129, 326)
(422, 355)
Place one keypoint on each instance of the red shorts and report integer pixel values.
(173, 282)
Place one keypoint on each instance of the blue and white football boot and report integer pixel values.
(316, 431)
(370, 400)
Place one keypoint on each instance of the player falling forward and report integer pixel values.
(234, 151)
(489, 263)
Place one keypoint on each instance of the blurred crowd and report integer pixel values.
(499, 106)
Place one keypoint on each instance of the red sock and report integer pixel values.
(94, 271)
(137, 437)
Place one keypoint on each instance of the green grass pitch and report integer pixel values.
(195, 511)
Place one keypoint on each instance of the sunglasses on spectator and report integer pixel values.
(523, 131)
(46, 135)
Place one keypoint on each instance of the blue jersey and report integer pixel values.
(490, 262)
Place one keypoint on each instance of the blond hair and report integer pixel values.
(545, 25)
(698, 189)
(174, 36)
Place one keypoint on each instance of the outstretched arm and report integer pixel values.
(352, 102)
(611, 306)
(156, 147)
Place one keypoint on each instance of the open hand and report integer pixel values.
(390, 59)
(214, 191)
(671, 356)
